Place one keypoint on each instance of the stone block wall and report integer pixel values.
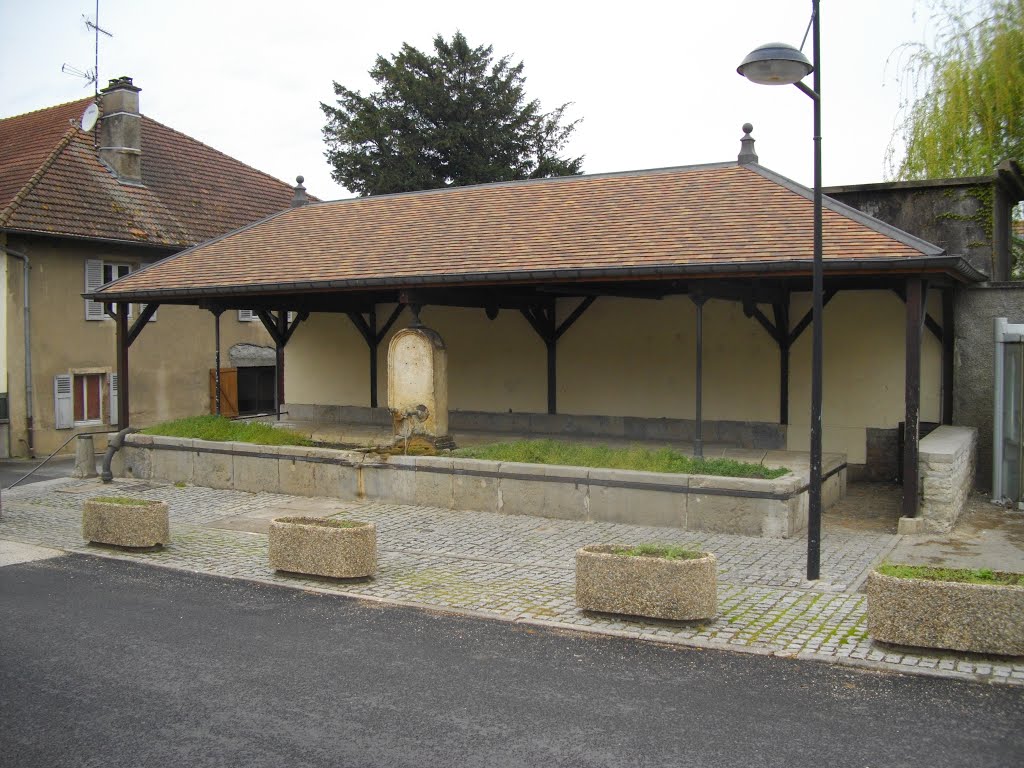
(947, 475)
(974, 359)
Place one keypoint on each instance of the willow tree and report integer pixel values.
(964, 111)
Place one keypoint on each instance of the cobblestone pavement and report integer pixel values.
(522, 569)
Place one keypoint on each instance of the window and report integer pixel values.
(79, 398)
(97, 274)
(249, 316)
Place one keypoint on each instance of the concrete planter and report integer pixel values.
(142, 524)
(655, 587)
(318, 546)
(980, 618)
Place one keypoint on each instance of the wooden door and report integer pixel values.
(228, 392)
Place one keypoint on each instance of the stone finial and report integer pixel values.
(747, 153)
(300, 198)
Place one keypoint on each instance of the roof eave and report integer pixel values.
(954, 266)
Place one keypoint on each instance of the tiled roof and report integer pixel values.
(52, 182)
(700, 219)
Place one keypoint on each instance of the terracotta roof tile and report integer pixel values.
(52, 182)
(687, 217)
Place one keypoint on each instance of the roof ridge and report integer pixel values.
(545, 180)
(46, 109)
(221, 153)
(36, 177)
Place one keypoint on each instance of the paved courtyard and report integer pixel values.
(521, 569)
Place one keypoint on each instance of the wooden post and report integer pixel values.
(282, 329)
(123, 410)
(911, 424)
(698, 439)
(216, 359)
(373, 343)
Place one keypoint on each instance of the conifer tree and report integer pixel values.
(449, 118)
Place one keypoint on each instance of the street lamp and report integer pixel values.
(781, 64)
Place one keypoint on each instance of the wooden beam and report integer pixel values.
(140, 322)
(270, 324)
(582, 307)
(912, 397)
(390, 322)
(805, 321)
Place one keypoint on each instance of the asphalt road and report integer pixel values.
(109, 663)
(12, 470)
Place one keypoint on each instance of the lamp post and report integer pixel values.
(781, 64)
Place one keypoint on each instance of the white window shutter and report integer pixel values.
(63, 404)
(291, 317)
(93, 280)
(246, 315)
(112, 388)
(142, 308)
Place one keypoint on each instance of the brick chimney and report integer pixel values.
(120, 130)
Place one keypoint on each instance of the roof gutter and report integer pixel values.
(956, 265)
(28, 348)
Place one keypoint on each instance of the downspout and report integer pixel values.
(28, 350)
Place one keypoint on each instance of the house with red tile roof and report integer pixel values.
(91, 191)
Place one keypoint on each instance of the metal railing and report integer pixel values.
(56, 451)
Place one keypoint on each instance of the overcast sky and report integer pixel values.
(655, 83)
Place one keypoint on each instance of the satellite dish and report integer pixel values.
(89, 117)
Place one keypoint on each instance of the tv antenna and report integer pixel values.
(90, 75)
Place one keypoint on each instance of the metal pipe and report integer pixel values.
(817, 350)
(113, 445)
(30, 437)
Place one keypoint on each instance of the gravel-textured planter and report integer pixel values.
(655, 587)
(321, 546)
(142, 523)
(981, 618)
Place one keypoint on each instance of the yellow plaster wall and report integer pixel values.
(169, 361)
(864, 370)
(630, 357)
(493, 365)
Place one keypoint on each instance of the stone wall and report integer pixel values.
(751, 507)
(947, 475)
(974, 360)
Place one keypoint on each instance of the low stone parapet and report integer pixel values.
(752, 507)
(947, 460)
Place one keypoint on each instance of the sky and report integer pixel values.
(654, 83)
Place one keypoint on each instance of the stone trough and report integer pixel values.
(752, 507)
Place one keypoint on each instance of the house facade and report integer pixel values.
(92, 191)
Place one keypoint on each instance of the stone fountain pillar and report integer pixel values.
(418, 388)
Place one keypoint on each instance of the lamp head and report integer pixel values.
(775, 64)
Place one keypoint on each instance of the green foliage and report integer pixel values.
(664, 551)
(452, 118)
(638, 458)
(126, 500)
(219, 429)
(962, 575)
(965, 108)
